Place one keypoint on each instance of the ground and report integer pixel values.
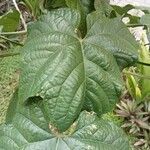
(9, 75)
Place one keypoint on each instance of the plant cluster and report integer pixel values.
(134, 107)
(136, 121)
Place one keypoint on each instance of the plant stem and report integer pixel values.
(5, 38)
(134, 25)
(143, 63)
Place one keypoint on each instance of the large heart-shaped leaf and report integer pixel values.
(29, 129)
(65, 70)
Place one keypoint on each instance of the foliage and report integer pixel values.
(112, 117)
(133, 87)
(136, 109)
(52, 4)
(9, 67)
(123, 10)
(34, 6)
(9, 21)
(84, 7)
(61, 71)
(136, 121)
(9, 25)
(26, 131)
(139, 86)
(104, 8)
(92, 51)
(72, 62)
(145, 20)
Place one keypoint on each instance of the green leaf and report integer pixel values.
(145, 71)
(30, 130)
(145, 9)
(115, 37)
(10, 21)
(11, 111)
(84, 7)
(122, 10)
(52, 4)
(105, 8)
(52, 67)
(58, 3)
(64, 70)
(145, 20)
(133, 19)
(34, 6)
(88, 6)
(133, 88)
(75, 4)
(145, 57)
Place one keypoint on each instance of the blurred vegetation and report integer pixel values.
(9, 75)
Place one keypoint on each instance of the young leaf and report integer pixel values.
(65, 70)
(145, 71)
(84, 7)
(30, 130)
(54, 4)
(58, 3)
(133, 88)
(122, 10)
(105, 8)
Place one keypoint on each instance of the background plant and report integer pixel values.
(135, 104)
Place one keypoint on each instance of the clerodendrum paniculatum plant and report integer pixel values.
(65, 79)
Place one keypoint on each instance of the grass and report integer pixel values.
(113, 118)
(9, 75)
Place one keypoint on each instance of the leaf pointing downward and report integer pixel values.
(66, 71)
